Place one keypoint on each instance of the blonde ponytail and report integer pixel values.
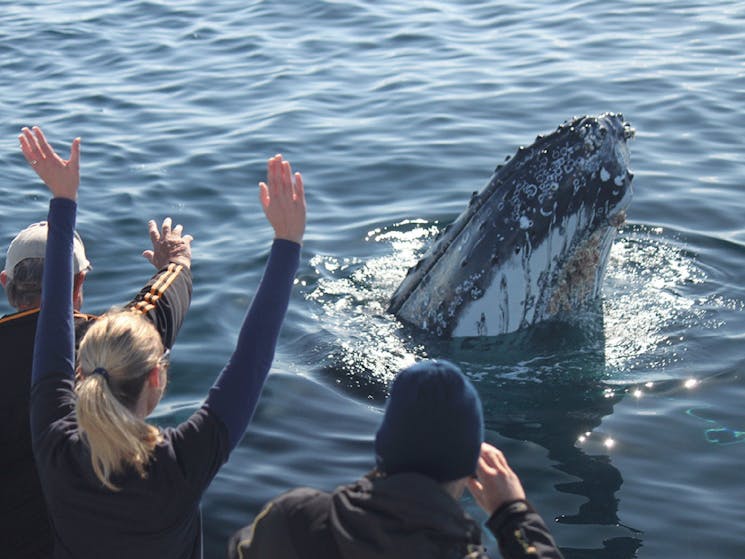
(123, 347)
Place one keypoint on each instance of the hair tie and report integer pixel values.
(101, 371)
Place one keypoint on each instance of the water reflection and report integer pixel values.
(556, 399)
(551, 385)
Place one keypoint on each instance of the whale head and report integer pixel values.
(533, 243)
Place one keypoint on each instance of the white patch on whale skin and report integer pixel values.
(520, 288)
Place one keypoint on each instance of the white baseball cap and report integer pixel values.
(32, 243)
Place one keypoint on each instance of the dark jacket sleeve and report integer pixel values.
(164, 300)
(521, 533)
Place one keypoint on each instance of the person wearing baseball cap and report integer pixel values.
(24, 262)
(25, 530)
(429, 448)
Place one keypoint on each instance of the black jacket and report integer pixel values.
(24, 526)
(400, 516)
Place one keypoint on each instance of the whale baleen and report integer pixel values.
(533, 243)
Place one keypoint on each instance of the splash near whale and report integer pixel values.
(533, 243)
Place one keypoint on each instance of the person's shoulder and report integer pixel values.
(303, 500)
(16, 319)
(84, 317)
(83, 321)
(17, 333)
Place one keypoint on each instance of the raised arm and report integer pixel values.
(234, 395)
(166, 297)
(54, 346)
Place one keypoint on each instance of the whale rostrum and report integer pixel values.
(533, 243)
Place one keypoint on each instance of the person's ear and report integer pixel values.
(3, 278)
(153, 377)
(78, 280)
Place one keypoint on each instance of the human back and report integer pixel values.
(112, 499)
(25, 530)
(428, 449)
(138, 485)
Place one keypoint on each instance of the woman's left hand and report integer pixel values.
(283, 200)
(60, 175)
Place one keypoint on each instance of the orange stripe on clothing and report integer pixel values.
(20, 314)
(158, 288)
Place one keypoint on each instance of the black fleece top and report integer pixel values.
(25, 530)
(156, 516)
(402, 516)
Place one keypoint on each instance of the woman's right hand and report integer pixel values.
(60, 175)
(283, 200)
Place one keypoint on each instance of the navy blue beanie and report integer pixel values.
(433, 423)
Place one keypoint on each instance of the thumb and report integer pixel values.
(475, 486)
(75, 154)
(264, 195)
(149, 255)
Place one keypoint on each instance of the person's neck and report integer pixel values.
(24, 308)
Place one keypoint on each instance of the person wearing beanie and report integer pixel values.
(429, 448)
(25, 531)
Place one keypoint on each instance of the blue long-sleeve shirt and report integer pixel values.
(155, 516)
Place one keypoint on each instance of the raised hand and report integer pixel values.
(283, 200)
(169, 245)
(60, 175)
(495, 484)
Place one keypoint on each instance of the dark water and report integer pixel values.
(626, 427)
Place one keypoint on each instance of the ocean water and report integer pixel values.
(627, 429)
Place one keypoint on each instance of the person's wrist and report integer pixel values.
(290, 238)
(184, 261)
(506, 509)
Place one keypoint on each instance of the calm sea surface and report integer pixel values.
(628, 431)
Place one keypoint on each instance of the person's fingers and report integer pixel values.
(31, 137)
(149, 255)
(493, 456)
(264, 195)
(74, 161)
(41, 140)
(166, 227)
(502, 462)
(475, 486)
(275, 175)
(153, 230)
(299, 188)
(178, 230)
(29, 146)
(485, 467)
(27, 150)
(187, 239)
(477, 491)
(287, 179)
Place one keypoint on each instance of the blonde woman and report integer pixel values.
(115, 485)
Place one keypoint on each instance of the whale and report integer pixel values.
(533, 244)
